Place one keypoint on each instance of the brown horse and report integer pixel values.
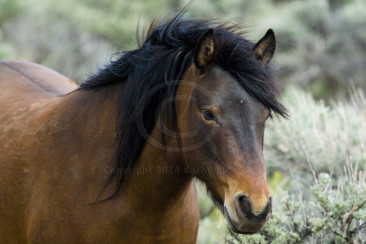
(114, 160)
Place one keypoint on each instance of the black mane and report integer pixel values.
(160, 64)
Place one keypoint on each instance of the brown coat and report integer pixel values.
(55, 151)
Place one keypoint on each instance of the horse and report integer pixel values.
(115, 159)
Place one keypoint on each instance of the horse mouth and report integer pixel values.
(231, 224)
(234, 227)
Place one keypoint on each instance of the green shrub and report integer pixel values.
(317, 136)
(320, 42)
(330, 215)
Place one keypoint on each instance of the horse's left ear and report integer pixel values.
(205, 51)
(264, 49)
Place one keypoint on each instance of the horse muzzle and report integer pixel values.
(242, 219)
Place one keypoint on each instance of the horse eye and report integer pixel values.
(208, 115)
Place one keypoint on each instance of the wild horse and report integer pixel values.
(114, 160)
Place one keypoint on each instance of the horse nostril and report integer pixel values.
(244, 207)
(268, 209)
(269, 201)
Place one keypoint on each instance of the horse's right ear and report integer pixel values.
(205, 51)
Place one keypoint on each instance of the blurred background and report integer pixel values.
(315, 160)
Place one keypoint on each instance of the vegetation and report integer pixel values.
(315, 160)
(320, 42)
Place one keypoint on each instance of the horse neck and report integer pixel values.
(158, 177)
